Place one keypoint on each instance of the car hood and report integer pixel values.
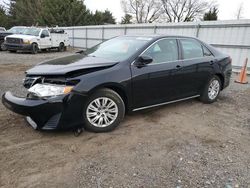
(20, 36)
(69, 64)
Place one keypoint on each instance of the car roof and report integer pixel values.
(159, 36)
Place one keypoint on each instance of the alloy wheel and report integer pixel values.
(102, 112)
(213, 89)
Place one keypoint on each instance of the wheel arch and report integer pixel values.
(38, 45)
(221, 77)
(115, 87)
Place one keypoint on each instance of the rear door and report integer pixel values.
(196, 67)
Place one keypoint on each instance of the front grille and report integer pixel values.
(13, 40)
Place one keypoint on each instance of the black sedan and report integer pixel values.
(95, 88)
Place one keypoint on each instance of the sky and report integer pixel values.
(227, 8)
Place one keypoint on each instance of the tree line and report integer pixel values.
(52, 13)
(148, 11)
(75, 12)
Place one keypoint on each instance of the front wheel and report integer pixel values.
(34, 48)
(211, 90)
(103, 111)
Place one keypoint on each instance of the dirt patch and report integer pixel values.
(187, 144)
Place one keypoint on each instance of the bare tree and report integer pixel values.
(239, 12)
(185, 10)
(143, 11)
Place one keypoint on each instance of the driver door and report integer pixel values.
(156, 82)
(45, 39)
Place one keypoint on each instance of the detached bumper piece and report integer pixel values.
(40, 114)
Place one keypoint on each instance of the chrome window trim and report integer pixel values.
(164, 103)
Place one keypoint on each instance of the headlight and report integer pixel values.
(26, 41)
(49, 90)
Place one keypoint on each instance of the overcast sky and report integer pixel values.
(227, 8)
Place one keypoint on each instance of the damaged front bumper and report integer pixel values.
(46, 114)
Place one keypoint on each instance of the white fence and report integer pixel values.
(231, 37)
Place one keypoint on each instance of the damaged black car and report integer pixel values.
(95, 88)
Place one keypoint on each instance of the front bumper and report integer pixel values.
(23, 47)
(47, 114)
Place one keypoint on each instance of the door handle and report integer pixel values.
(178, 66)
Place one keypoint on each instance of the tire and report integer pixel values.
(3, 47)
(12, 51)
(103, 119)
(211, 90)
(61, 47)
(34, 48)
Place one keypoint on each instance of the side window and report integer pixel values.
(206, 52)
(46, 33)
(165, 50)
(191, 48)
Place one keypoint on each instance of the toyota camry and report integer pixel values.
(95, 88)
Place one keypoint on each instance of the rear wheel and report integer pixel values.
(34, 48)
(103, 111)
(211, 90)
(61, 47)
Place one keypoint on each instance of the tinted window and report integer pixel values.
(46, 33)
(165, 50)
(191, 48)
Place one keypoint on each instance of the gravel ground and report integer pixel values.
(187, 144)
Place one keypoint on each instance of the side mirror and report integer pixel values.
(42, 36)
(143, 60)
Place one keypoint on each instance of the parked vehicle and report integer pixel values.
(13, 30)
(128, 73)
(34, 39)
(2, 29)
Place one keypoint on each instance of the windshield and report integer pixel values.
(118, 49)
(17, 30)
(32, 31)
